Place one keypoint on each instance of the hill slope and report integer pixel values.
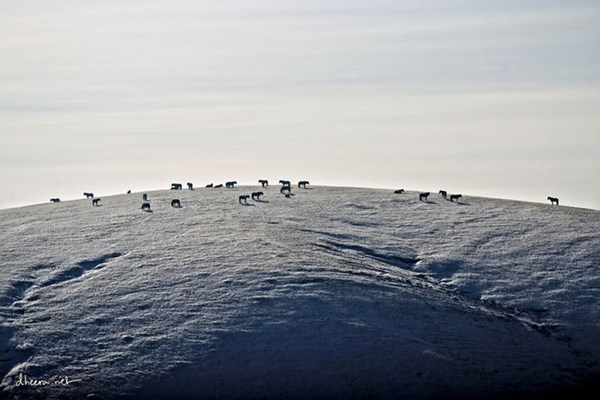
(334, 292)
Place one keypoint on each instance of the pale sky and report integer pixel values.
(485, 98)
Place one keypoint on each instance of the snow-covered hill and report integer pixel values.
(331, 293)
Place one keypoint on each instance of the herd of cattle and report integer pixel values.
(286, 190)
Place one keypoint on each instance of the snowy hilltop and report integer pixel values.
(327, 293)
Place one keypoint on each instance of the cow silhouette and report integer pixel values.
(88, 195)
(176, 203)
(55, 200)
(443, 193)
(244, 198)
(285, 188)
(176, 186)
(399, 191)
(263, 182)
(455, 197)
(424, 196)
(553, 200)
(230, 184)
(95, 202)
(256, 195)
(190, 185)
(303, 184)
(146, 206)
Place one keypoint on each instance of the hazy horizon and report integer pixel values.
(497, 100)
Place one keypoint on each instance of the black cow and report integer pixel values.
(424, 196)
(176, 186)
(455, 197)
(230, 184)
(245, 198)
(285, 188)
(209, 185)
(190, 185)
(175, 203)
(303, 184)
(256, 195)
(95, 202)
(399, 191)
(88, 195)
(220, 185)
(553, 200)
(55, 200)
(444, 193)
(146, 206)
(263, 182)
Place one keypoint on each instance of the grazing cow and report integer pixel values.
(145, 197)
(190, 185)
(176, 186)
(444, 194)
(245, 198)
(209, 185)
(220, 185)
(263, 182)
(256, 195)
(424, 196)
(95, 202)
(146, 206)
(399, 191)
(285, 183)
(55, 200)
(88, 195)
(230, 184)
(175, 203)
(455, 197)
(303, 184)
(285, 188)
(553, 200)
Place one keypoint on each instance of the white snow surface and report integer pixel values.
(332, 293)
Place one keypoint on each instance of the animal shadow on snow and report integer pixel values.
(429, 202)
(461, 203)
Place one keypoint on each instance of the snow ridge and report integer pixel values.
(80, 269)
(430, 282)
(22, 293)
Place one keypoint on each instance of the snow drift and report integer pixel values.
(331, 293)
